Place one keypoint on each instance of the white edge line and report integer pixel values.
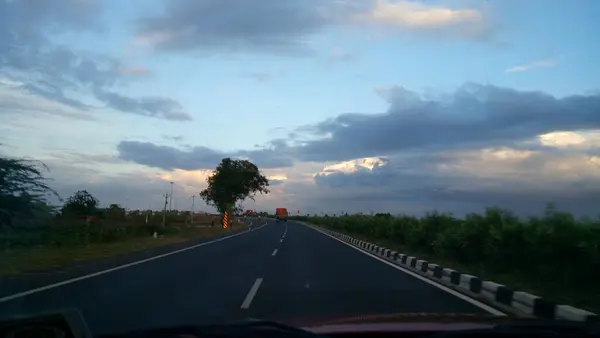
(426, 280)
(274, 252)
(251, 294)
(98, 273)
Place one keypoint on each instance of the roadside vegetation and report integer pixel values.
(555, 256)
(35, 235)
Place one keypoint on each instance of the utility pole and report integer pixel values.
(149, 212)
(166, 196)
(193, 199)
(171, 198)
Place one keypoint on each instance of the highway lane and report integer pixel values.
(204, 284)
(15, 284)
(314, 275)
(280, 271)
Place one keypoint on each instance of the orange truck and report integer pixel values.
(281, 214)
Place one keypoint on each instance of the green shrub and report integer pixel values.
(70, 233)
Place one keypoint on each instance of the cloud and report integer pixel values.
(352, 166)
(265, 158)
(458, 181)
(259, 77)
(87, 159)
(17, 101)
(473, 116)
(146, 106)
(458, 151)
(137, 71)
(172, 138)
(467, 181)
(411, 15)
(288, 27)
(169, 158)
(233, 25)
(275, 182)
(25, 21)
(29, 55)
(548, 63)
(478, 146)
(571, 140)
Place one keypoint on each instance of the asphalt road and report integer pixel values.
(283, 271)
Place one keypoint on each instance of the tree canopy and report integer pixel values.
(82, 203)
(115, 212)
(23, 190)
(233, 181)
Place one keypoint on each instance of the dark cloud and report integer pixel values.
(288, 27)
(25, 21)
(419, 136)
(235, 25)
(172, 138)
(472, 184)
(434, 158)
(405, 172)
(146, 106)
(412, 185)
(28, 55)
(53, 93)
(169, 158)
(76, 159)
(474, 116)
(266, 158)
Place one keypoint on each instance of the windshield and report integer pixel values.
(304, 161)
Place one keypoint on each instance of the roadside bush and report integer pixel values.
(299, 218)
(74, 232)
(82, 233)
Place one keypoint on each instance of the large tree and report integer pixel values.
(82, 203)
(233, 181)
(115, 212)
(23, 190)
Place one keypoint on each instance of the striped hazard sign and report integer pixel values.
(225, 220)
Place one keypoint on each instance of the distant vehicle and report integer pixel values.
(281, 214)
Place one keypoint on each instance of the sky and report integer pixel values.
(397, 106)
